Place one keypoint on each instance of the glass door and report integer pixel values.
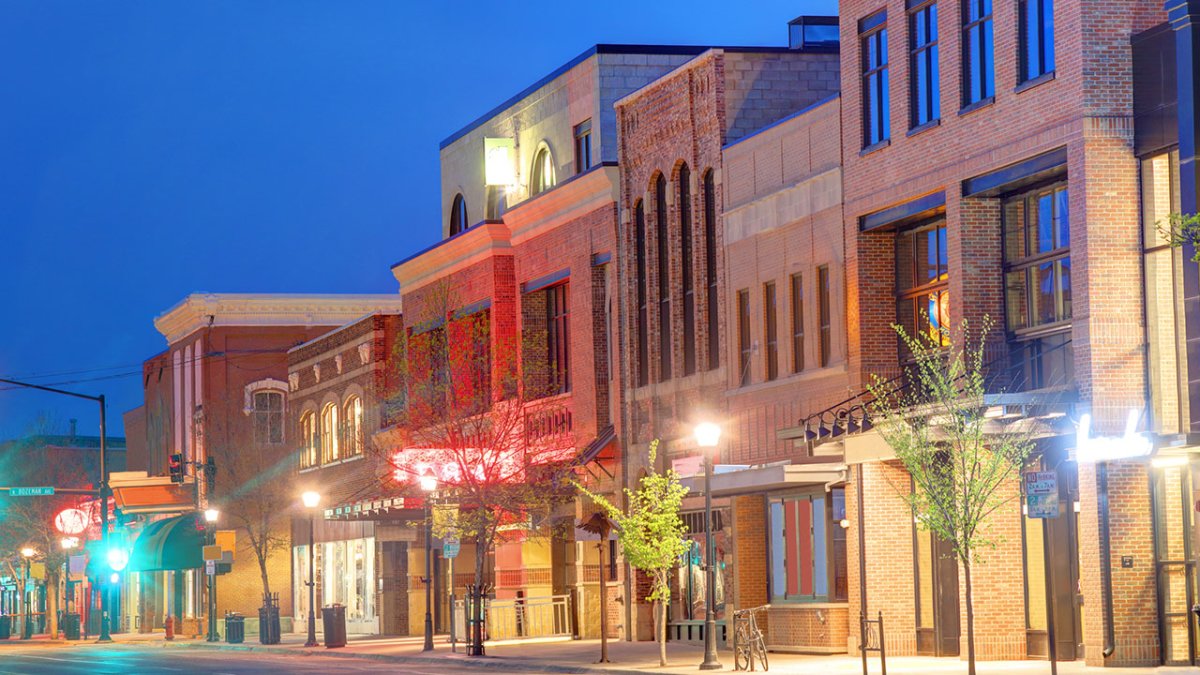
(1175, 566)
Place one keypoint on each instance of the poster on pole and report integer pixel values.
(1041, 494)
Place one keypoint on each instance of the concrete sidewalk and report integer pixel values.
(579, 656)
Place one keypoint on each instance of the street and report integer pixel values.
(152, 660)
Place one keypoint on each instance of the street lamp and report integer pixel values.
(708, 435)
(28, 554)
(210, 522)
(311, 500)
(68, 543)
(429, 483)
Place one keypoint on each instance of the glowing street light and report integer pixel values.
(311, 500)
(429, 483)
(708, 435)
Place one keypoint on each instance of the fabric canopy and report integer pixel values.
(169, 544)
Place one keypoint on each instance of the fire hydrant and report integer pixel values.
(169, 627)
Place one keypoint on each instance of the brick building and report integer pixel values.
(341, 386)
(218, 391)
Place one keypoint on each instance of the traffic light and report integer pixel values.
(175, 463)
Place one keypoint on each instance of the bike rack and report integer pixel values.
(871, 640)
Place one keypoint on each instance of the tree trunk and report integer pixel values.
(262, 569)
(970, 617)
(52, 606)
(476, 648)
(662, 633)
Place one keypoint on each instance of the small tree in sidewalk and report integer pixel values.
(961, 465)
(651, 533)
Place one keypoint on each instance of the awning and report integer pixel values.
(169, 544)
(376, 508)
(135, 492)
(766, 478)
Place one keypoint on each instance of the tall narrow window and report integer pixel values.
(1037, 286)
(664, 278)
(542, 178)
(330, 449)
(557, 339)
(685, 255)
(923, 282)
(744, 346)
(309, 451)
(268, 417)
(875, 102)
(797, 323)
(458, 215)
(824, 330)
(352, 440)
(643, 328)
(979, 80)
(583, 146)
(923, 64)
(769, 331)
(710, 269)
(1037, 38)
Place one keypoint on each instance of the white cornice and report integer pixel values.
(571, 200)
(461, 251)
(203, 310)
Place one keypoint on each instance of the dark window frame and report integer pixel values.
(643, 327)
(924, 96)
(686, 272)
(583, 145)
(458, 215)
(558, 338)
(797, 307)
(934, 290)
(539, 180)
(876, 102)
(1036, 39)
(745, 345)
(710, 269)
(979, 84)
(663, 241)
(770, 332)
(825, 327)
(268, 422)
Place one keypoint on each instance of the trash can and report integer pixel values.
(235, 628)
(334, 620)
(268, 625)
(5, 627)
(70, 626)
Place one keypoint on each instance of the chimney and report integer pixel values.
(809, 33)
(73, 422)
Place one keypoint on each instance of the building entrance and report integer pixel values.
(1175, 565)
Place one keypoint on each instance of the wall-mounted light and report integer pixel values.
(498, 164)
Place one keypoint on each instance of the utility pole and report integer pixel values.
(105, 587)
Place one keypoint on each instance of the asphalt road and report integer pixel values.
(153, 660)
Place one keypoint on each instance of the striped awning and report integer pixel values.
(169, 544)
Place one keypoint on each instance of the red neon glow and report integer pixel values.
(71, 521)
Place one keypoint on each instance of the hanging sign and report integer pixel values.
(451, 545)
(1041, 494)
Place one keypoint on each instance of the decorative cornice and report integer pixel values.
(699, 61)
(206, 310)
(586, 193)
(463, 250)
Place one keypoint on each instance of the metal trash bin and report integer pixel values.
(5, 627)
(235, 628)
(268, 625)
(70, 626)
(334, 621)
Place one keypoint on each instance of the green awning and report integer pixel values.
(169, 544)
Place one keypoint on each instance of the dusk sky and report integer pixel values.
(154, 149)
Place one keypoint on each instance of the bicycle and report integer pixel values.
(748, 641)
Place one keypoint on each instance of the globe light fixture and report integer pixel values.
(310, 499)
(708, 435)
(28, 552)
(211, 515)
(428, 480)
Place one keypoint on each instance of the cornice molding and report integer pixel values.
(478, 243)
(204, 310)
(571, 200)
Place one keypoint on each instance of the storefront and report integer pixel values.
(345, 575)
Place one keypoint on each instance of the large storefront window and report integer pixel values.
(690, 593)
(1037, 287)
(922, 283)
(808, 547)
(1164, 297)
(345, 571)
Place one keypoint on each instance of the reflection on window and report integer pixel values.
(875, 97)
(268, 417)
(979, 80)
(329, 434)
(542, 178)
(352, 440)
(808, 547)
(923, 64)
(309, 451)
(922, 283)
(1168, 366)
(583, 146)
(1037, 38)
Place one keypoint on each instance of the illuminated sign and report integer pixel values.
(71, 521)
(1131, 445)
(498, 155)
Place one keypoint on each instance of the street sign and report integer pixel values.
(451, 545)
(210, 567)
(1041, 494)
(30, 491)
(212, 553)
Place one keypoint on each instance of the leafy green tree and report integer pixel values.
(963, 465)
(1181, 229)
(651, 534)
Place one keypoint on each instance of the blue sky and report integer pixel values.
(153, 149)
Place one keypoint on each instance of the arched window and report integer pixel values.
(685, 256)
(497, 202)
(268, 417)
(710, 268)
(458, 215)
(352, 440)
(542, 178)
(664, 278)
(643, 328)
(308, 436)
(329, 434)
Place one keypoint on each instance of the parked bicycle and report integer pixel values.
(748, 641)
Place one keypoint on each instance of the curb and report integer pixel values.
(485, 663)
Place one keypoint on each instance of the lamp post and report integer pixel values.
(210, 523)
(311, 500)
(28, 554)
(68, 543)
(708, 435)
(429, 483)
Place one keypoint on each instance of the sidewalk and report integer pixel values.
(579, 656)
